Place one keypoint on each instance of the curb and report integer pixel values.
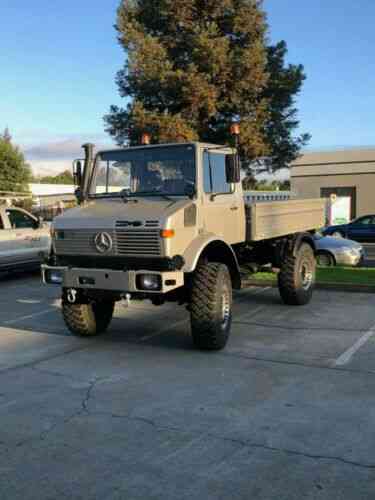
(335, 287)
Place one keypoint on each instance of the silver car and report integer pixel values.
(332, 251)
(23, 239)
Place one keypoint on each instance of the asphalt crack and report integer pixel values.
(84, 410)
(239, 442)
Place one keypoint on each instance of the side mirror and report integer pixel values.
(77, 173)
(78, 195)
(38, 224)
(232, 169)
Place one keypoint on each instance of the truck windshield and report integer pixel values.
(150, 171)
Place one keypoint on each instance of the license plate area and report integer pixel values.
(86, 281)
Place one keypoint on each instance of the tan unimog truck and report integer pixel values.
(169, 223)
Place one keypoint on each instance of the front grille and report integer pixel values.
(138, 242)
(76, 242)
(126, 242)
(152, 223)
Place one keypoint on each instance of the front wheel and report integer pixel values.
(88, 320)
(211, 306)
(325, 259)
(296, 278)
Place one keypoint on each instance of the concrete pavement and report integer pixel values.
(285, 412)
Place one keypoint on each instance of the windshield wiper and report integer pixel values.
(126, 194)
(154, 193)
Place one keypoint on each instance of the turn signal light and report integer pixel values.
(146, 139)
(167, 233)
(235, 129)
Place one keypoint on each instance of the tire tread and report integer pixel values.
(203, 306)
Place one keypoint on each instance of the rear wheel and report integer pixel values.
(296, 278)
(211, 306)
(88, 320)
(325, 259)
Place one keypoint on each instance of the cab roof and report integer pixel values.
(202, 145)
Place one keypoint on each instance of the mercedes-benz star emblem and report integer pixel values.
(103, 242)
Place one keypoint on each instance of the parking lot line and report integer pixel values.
(29, 316)
(348, 354)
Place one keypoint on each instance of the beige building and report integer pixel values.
(337, 175)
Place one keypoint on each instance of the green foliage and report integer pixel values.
(6, 135)
(249, 183)
(333, 275)
(65, 177)
(15, 174)
(193, 67)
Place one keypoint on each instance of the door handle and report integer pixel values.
(233, 208)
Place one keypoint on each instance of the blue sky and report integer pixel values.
(58, 60)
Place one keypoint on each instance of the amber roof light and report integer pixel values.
(146, 139)
(235, 129)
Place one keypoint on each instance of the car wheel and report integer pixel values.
(325, 259)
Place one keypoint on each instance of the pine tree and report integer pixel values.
(14, 172)
(6, 135)
(194, 67)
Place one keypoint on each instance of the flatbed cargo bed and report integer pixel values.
(268, 220)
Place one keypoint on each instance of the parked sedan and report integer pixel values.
(361, 229)
(23, 239)
(338, 251)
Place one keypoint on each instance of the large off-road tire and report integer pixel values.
(88, 320)
(211, 306)
(297, 277)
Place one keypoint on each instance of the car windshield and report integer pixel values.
(158, 171)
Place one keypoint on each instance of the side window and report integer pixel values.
(218, 182)
(20, 220)
(1, 223)
(364, 221)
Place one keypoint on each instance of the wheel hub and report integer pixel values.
(225, 307)
(307, 276)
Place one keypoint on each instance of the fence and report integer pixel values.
(46, 207)
(262, 196)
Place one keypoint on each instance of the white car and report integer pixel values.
(24, 239)
(332, 251)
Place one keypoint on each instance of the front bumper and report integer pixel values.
(109, 280)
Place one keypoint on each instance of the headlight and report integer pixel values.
(356, 251)
(353, 251)
(53, 277)
(151, 282)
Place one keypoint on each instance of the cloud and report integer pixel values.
(55, 156)
(61, 150)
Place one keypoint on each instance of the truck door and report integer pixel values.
(7, 242)
(24, 229)
(223, 212)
